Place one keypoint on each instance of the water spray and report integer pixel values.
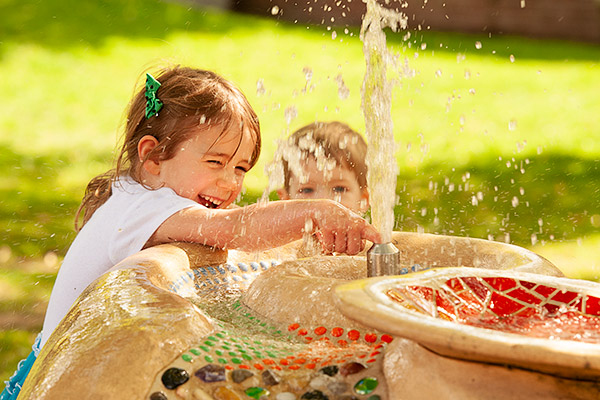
(382, 258)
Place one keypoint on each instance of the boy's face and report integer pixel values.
(339, 184)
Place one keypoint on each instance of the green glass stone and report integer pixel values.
(214, 339)
(236, 360)
(366, 385)
(187, 357)
(226, 347)
(209, 343)
(232, 354)
(271, 354)
(256, 392)
(195, 352)
(219, 352)
(222, 361)
(208, 359)
(220, 335)
(246, 357)
(204, 348)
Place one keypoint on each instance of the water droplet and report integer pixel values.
(533, 239)
(333, 35)
(512, 125)
(478, 45)
(423, 46)
(515, 201)
(438, 73)
(290, 114)
(260, 87)
(275, 10)
(512, 58)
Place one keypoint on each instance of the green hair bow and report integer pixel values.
(153, 103)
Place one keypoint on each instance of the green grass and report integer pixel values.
(489, 145)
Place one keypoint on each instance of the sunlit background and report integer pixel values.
(496, 121)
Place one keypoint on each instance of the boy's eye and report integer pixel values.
(241, 169)
(306, 190)
(339, 189)
(216, 162)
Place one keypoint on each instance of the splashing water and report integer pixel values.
(376, 105)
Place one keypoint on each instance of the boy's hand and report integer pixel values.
(341, 230)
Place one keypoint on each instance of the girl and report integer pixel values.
(190, 138)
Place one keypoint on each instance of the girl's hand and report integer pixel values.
(341, 230)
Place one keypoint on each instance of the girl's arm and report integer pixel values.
(263, 226)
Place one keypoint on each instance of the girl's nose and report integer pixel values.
(228, 179)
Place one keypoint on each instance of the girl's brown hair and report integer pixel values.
(193, 100)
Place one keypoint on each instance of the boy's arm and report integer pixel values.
(263, 226)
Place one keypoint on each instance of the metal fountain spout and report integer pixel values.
(383, 259)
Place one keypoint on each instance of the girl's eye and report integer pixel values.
(340, 189)
(215, 162)
(241, 169)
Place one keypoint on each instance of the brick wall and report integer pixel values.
(561, 19)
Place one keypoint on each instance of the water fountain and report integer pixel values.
(182, 321)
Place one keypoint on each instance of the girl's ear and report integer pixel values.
(145, 146)
(283, 194)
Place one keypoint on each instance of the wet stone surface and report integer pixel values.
(270, 378)
(211, 373)
(351, 368)
(366, 385)
(240, 375)
(314, 395)
(158, 396)
(224, 393)
(174, 377)
(330, 370)
(256, 392)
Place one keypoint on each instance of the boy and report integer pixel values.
(325, 160)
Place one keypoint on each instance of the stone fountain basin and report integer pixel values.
(138, 319)
(535, 322)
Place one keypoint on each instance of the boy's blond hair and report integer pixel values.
(332, 141)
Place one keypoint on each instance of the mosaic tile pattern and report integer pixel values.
(507, 304)
(251, 358)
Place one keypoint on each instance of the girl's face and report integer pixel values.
(209, 167)
(339, 184)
